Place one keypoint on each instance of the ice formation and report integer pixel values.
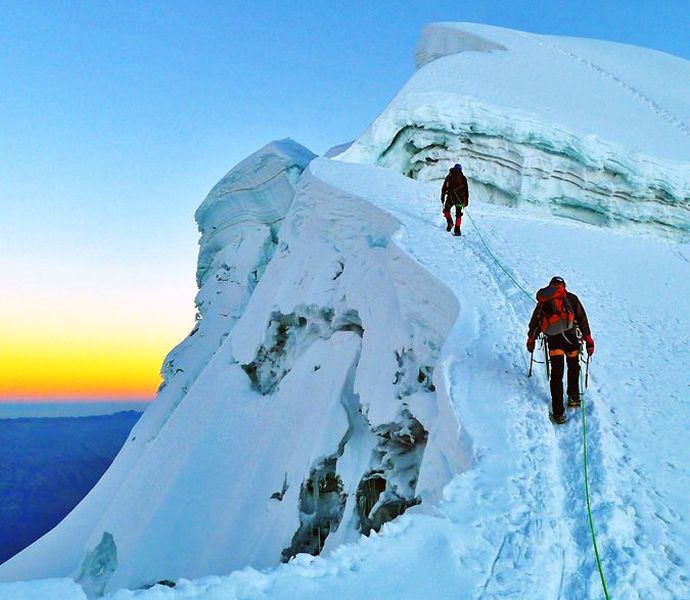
(592, 130)
(355, 370)
(301, 410)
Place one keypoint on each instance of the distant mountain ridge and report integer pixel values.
(48, 465)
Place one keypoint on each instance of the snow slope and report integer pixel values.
(588, 129)
(357, 349)
(514, 525)
(300, 412)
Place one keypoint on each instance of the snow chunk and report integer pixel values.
(258, 189)
(98, 566)
(442, 39)
(338, 149)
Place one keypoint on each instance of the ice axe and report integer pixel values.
(589, 359)
(546, 356)
(531, 362)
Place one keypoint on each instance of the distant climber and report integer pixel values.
(455, 192)
(560, 316)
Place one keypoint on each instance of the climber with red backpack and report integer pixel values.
(561, 318)
(455, 192)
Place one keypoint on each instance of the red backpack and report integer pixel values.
(556, 314)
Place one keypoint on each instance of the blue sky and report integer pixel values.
(117, 117)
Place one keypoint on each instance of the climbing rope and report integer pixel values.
(589, 508)
(584, 421)
(498, 262)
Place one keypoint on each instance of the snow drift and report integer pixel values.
(355, 370)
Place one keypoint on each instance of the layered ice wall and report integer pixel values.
(591, 130)
(301, 412)
(238, 222)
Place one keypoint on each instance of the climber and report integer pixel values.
(454, 193)
(560, 316)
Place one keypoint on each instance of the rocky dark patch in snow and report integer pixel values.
(410, 376)
(388, 489)
(288, 336)
(321, 504)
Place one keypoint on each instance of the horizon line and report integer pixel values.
(74, 400)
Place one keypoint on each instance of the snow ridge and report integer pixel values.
(512, 522)
(654, 106)
(303, 405)
(547, 143)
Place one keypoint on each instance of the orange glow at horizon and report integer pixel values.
(84, 325)
(61, 365)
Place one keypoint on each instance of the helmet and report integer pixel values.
(457, 166)
(557, 281)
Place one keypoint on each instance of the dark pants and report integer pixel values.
(458, 211)
(573, 389)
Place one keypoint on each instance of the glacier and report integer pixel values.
(570, 127)
(353, 399)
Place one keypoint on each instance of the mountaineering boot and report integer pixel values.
(458, 222)
(449, 221)
(574, 402)
(558, 420)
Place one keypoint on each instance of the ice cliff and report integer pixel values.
(301, 411)
(587, 129)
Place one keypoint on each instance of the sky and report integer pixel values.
(117, 118)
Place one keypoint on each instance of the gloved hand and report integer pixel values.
(530, 344)
(589, 341)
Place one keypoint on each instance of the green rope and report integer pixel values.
(498, 262)
(584, 422)
(589, 508)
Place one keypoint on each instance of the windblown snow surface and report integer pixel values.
(356, 370)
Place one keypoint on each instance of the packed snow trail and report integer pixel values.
(583, 410)
(630, 508)
(583, 382)
(466, 267)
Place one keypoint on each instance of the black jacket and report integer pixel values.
(455, 185)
